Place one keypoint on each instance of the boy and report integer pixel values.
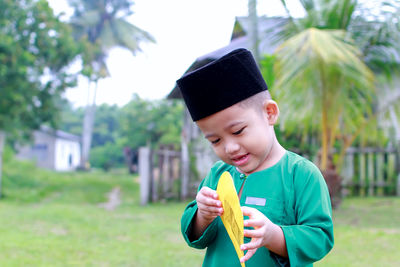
(284, 195)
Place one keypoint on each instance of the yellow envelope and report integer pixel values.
(232, 218)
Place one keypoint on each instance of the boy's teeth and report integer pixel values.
(241, 157)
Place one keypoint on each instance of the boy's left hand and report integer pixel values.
(261, 236)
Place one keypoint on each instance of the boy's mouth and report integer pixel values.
(241, 159)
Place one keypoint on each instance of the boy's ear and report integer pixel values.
(271, 110)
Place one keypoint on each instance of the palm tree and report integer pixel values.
(104, 25)
(327, 87)
(324, 62)
(326, 74)
(253, 34)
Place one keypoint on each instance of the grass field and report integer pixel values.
(367, 233)
(53, 219)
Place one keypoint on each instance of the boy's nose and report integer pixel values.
(231, 147)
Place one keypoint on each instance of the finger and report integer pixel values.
(208, 217)
(209, 192)
(208, 214)
(207, 201)
(253, 233)
(256, 223)
(248, 255)
(255, 243)
(210, 209)
(247, 211)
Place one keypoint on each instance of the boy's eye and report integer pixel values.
(239, 132)
(214, 141)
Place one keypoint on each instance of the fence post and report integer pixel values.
(165, 173)
(380, 169)
(144, 174)
(398, 185)
(2, 142)
(397, 168)
(348, 174)
(370, 173)
(185, 169)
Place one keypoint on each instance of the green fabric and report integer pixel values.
(297, 199)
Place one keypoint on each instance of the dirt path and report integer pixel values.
(114, 199)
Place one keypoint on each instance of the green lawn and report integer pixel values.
(52, 219)
(367, 233)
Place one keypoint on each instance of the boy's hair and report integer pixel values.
(256, 101)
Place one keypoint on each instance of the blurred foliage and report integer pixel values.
(71, 119)
(267, 69)
(151, 122)
(376, 31)
(102, 25)
(107, 156)
(106, 124)
(35, 49)
(106, 144)
(323, 79)
(323, 68)
(138, 123)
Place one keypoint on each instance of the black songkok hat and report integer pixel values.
(221, 84)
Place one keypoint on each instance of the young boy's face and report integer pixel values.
(243, 137)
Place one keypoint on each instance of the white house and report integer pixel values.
(53, 149)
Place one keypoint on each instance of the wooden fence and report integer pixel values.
(371, 172)
(160, 173)
(366, 172)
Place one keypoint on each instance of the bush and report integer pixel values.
(107, 156)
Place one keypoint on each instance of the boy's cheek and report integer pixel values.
(219, 153)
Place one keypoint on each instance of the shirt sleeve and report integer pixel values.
(186, 227)
(187, 221)
(311, 238)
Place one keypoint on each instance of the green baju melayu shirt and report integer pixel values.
(292, 194)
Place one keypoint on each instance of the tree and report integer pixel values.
(107, 156)
(71, 119)
(145, 122)
(107, 150)
(119, 130)
(323, 70)
(253, 33)
(35, 49)
(324, 40)
(379, 39)
(106, 125)
(104, 25)
(107, 147)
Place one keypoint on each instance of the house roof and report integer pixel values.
(59, 134)
(268, 28)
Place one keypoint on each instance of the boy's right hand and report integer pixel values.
(208, 204)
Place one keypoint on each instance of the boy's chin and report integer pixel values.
(242, 170)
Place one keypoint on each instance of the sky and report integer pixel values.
(183, 29)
